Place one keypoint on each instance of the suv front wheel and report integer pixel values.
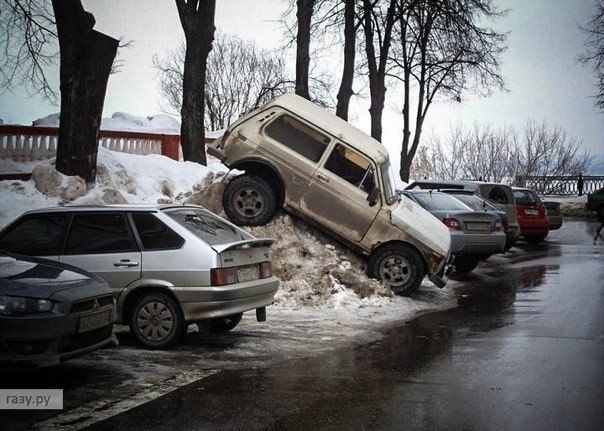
(249, 200)
(399, 266)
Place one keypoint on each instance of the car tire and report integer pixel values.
(222, 325)
(156, 321)
(465, 264)
(534, 239)
(399, 266)
(249, 200)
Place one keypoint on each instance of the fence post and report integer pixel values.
(170, 146)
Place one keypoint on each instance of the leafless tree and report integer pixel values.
(444, 47)
(239, 78)
(197, 19)
(378, 22)
(87, 57)
(594, 54)
(504, 153)
(28, 44)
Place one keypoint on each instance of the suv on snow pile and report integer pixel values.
(319, 167)
(166, 265)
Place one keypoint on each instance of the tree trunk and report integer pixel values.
(86, 60)
(197, 19)
(345, 92)
(304, 15)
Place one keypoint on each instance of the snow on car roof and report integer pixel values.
(332, 124)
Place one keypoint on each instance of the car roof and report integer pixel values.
(459, 182)
(459, 192)
(101, 208)
(333, 124)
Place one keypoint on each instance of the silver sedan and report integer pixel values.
(475, 235)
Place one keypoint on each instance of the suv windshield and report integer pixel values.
(207, 226)
(388, 182)
(526, 197)
(439, 201)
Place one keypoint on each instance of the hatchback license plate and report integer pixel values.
(248, 273)
(94, 321)
(531, 212)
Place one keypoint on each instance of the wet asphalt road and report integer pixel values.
(525, 350)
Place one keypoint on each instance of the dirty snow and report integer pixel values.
(570, 206)
(316, 271)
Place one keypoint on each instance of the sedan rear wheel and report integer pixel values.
(465, 264)
(156, 321)
(222, 325)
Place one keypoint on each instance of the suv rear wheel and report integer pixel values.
(156, 321)
(249, 200)
(399, 266)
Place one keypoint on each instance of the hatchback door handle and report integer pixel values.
(125, 263)
(323, 178)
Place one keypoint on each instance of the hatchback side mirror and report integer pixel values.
(374, 196)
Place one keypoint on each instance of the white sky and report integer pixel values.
(544, 80)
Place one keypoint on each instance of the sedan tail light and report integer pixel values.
(498, 226)
(452, 224)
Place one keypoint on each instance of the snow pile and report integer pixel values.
(316, 271)
(158, 123)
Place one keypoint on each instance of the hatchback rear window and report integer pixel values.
(208, 227)
(526, 197)
(440, 201)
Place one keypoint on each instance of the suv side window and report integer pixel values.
(99, 233)
(36, 235)
(154, 234)
(352, 167)
(297, 136)
(497, 194)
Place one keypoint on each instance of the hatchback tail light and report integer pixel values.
(498, 226)
(222, 276)
(452, 224)
(266, 270)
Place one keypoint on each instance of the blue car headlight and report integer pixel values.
(15, 306)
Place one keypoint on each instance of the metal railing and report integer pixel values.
(562, 185)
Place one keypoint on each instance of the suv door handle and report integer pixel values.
(125, 263)
(323, 178)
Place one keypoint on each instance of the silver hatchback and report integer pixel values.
(167, 266)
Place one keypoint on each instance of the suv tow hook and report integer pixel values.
(261, 314)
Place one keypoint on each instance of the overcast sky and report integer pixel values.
(542, 75)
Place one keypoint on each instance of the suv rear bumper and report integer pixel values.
(201, 303)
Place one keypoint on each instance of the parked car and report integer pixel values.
(167, 266)
(554, 214)
(475, 235)
(51, 312)
(532, 215)
(317, 166)
(499, 195)
(595, 202)
(480, 204)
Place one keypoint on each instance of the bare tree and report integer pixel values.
(28, 45)
(444, 48)
(240, 77)
(304, 13)
(501, 154)
(594, 54)
(351, 24)
(197, 19)
(378, 23)
(87, 57)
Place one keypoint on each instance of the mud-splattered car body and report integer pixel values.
(334, 176)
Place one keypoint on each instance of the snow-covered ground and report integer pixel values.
(317, 273)
(570, 206)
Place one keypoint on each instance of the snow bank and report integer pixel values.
(316, 271)
(570, 206)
